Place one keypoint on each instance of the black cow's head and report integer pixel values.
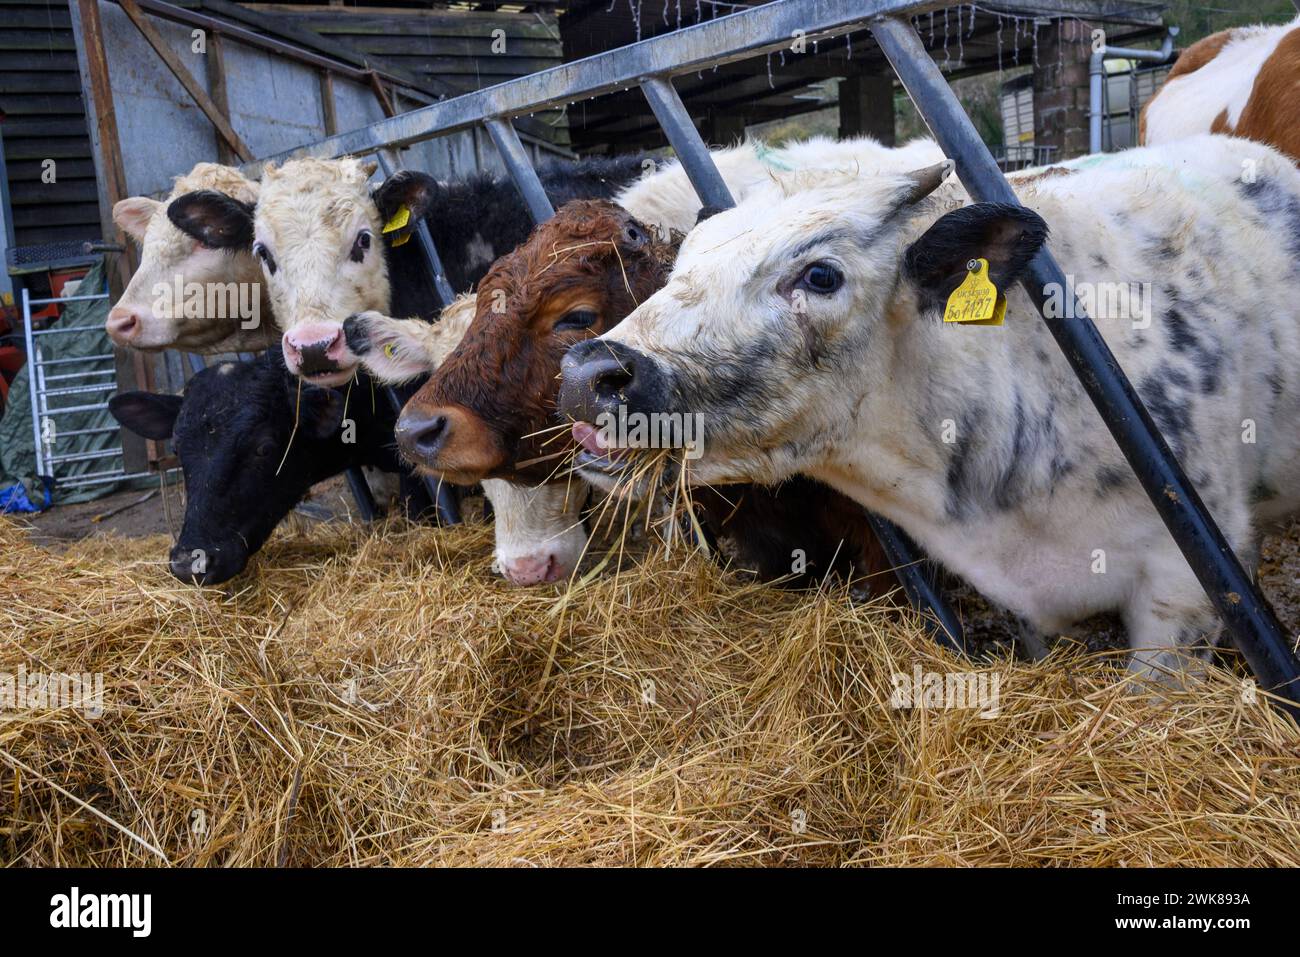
(243, 463)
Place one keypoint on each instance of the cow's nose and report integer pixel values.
(314, 348)
(206, 566)
(122, 325)
(601, 376)
(532, 569)
(421, 435)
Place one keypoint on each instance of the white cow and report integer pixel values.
(1244, 81)
(186, 295)
(807, 327)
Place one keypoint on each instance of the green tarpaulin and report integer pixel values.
(17, 443)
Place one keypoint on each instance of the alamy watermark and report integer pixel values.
(209, 300)
(652, 430)
(1129, 301)
(52, 691)
(968, 690)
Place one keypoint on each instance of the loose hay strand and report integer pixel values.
(373, 695)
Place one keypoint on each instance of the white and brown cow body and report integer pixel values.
(1244, 82)
(806, 326)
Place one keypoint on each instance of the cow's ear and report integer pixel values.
(134, 213)
(214, 219)
(414, 190)
(320, 414)
(707, 212)
(1007, 236)
(151, 415)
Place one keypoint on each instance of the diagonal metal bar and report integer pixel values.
(520, 168)
(687, 143)
(768, 28)
(914, 573)
(1246, 613)
(445, 505)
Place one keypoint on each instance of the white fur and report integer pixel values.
(168, 255)
(869, 417)
(666, 200)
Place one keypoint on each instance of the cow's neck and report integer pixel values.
(940, 436)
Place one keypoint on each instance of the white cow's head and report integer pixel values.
(540, 536)
(317, 231)
(188, 294)
(779, 324)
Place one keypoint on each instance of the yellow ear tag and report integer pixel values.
(976, 302)
(399, 221)
(390, 349)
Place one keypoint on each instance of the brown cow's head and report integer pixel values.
(577, 276)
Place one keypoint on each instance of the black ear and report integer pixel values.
(214, 219)
(707, 212)
(1007, 236)
(414, 190)
(321, 413)
(151, 415)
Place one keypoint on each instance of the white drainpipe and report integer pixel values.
(1097, 76)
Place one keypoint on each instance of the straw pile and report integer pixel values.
(376, 696)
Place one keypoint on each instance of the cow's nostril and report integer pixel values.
(123, 325)
(611, 377)
(610, 383)
(423, 438)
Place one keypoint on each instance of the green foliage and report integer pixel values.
(1197, 19)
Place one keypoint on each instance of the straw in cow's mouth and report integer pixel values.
(593, 453)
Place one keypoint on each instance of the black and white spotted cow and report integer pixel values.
(806, 325)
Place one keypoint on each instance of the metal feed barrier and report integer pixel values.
(651, 63)
(92, 377)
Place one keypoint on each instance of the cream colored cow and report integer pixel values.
(186, 295)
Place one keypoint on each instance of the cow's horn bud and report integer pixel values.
(925, 181)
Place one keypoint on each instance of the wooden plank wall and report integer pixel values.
(40, 93)
(453, 47)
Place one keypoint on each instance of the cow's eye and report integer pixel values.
(822, 278)
(265, 449)
(577, 319)
(264, 254)
(359, 246)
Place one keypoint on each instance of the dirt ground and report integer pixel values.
(138, 514)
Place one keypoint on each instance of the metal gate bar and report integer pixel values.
(768, 29)
(908, 564)
(445, 505)
(42, 387)
(1248, 616)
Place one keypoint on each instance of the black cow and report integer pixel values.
(231, 430)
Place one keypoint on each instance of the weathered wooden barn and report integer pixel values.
(104, 99)
(445, 49)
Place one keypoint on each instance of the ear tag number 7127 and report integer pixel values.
(976, 302)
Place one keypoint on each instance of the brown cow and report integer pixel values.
(489, 409)
(1244, 82)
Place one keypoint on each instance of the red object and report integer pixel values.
(58, 279)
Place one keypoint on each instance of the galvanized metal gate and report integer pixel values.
(650, 65)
